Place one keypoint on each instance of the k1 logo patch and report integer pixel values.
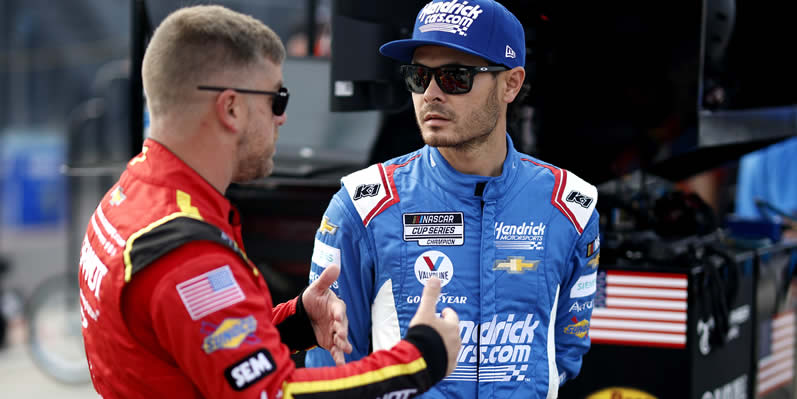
(366, 190)
(250, 370)
(579, 198)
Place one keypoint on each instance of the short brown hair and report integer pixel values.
(194, 43)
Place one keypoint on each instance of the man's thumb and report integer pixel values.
(328, 276)
(429, 297)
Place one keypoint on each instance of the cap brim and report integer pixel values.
(403, 50)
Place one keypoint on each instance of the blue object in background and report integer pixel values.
(32, 187)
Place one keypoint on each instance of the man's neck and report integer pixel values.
(198, 151)
(485, 159)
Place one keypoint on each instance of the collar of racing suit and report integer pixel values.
(173, 172)
(464, 185)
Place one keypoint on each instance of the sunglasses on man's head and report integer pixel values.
(452, 79)
(280, 97)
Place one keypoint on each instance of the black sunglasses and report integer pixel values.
(280, 97)
(452, 79)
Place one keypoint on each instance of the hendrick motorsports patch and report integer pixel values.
(434, 228)
(250, 369)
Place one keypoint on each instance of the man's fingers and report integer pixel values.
(328, 276)
(342, 344)
(451, 315)
(337, 356)
(429, 297)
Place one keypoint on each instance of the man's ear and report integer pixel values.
(229, 109)
(514, 82)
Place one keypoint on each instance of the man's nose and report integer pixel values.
(433, 92)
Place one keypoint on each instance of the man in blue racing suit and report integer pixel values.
(513, 240)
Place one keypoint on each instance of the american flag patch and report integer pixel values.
(640, 308)
(209, 292)
(776, 353)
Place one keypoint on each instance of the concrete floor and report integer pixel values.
(34, 255)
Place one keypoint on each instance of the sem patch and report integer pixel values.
(249, 370)
(434, 228)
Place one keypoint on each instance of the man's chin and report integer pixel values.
(252, 175)
(439, 138)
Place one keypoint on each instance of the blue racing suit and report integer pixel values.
(516, 254)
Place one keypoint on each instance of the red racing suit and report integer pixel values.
(172, 308)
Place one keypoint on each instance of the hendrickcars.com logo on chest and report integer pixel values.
(501, 348)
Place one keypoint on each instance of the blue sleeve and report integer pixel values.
(575, 301)
(749, 185)
(341, 239)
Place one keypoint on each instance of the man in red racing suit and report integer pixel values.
(171, 306)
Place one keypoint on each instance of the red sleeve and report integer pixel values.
(211, 315)
(283, 311)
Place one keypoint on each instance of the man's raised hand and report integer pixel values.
(327, 313)
(447, 325)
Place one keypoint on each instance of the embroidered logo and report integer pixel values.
(434, 264)
(434, 228)
(366, 190)
(520, 236)
(578, 328)
(117, 196)
(515, 264)
(579, 198)
(230, 334)
(449, 16)
(327, 227)
(209, 292)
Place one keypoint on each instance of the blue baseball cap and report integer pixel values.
(483, 28)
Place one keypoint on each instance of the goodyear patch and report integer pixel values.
(230, 334)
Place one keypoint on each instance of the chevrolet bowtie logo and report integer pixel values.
(515, 264)
(327, 227)
(117, 196)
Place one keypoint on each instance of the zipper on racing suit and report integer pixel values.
(478, 193)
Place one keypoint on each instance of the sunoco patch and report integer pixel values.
(434, 228)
